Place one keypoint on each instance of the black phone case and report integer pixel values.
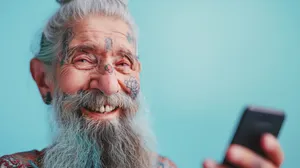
(254, 122)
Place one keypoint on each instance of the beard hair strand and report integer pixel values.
(81, 142)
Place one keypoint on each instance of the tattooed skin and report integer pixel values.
(134, 87)
(108, 44)
(48, 98)
(130, 41)
(129, 38)
(108, 68)
(67, 38)
(137, 57)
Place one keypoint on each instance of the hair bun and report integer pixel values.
(63, 2)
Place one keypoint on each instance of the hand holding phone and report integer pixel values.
(251, 142)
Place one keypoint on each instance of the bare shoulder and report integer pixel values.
(9, 161)
(164, 162)
(20, 160)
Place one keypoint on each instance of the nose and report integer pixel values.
(106, 82)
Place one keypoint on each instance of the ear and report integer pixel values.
(38, 73)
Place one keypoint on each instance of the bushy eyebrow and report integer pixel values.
(89, 47)
(127, 53)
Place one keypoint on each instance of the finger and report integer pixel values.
(272, 149)
(243, 157)
(211, 164)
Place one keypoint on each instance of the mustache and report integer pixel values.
(94, 99)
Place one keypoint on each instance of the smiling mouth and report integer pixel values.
(103, 109)
(103, 112)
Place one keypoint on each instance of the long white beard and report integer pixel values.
(125, 142)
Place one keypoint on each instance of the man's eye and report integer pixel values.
(123, 64)
(84, 63)
(82, 60)
(85, 59)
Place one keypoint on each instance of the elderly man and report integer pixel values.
(87, 68)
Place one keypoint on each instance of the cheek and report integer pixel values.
(137, 76)
(72, 80)
(131, 85)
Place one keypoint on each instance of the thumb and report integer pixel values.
(208, 163)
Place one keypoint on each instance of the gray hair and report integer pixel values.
(71, 11)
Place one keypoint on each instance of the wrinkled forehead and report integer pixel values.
(97, 29)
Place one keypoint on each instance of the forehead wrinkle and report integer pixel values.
(98, 38)
(105, 33)
(99, 49)
(117, 32)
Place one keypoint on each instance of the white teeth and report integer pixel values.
(107, 108)
(112, 108)
(102, 109)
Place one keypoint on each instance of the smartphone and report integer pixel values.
(254, 122)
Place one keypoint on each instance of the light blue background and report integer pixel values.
(203, 61)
